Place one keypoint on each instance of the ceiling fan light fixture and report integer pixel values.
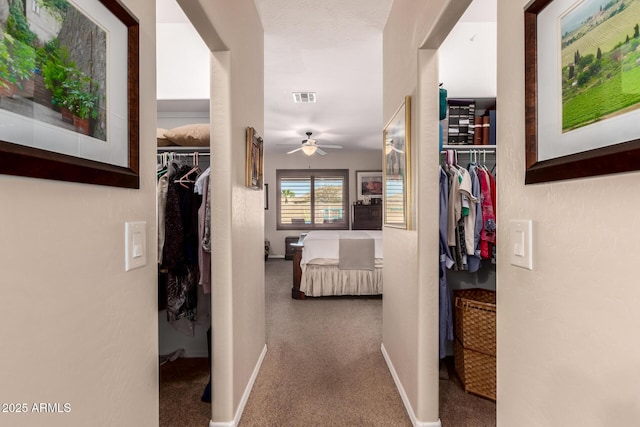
(388, 147)
(309, 149)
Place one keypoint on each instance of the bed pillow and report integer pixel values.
(195, 135)
(162, 139)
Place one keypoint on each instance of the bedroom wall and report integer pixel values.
(75, 327)
(342, 159)
(410, 305)
(233, 33)
(566, 351)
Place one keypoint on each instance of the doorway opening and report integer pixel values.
(183, 159)
(467, 271)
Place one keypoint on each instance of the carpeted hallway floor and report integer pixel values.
(323, 367)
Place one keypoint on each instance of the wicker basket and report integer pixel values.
(475, 344)
(475, 319)
(477, 371)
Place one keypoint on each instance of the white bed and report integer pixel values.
(340, 263)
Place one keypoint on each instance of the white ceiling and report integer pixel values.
(333, 48)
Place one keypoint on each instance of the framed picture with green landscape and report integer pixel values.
(582, 88)
(69, 88)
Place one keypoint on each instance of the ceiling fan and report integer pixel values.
(390, 147)
(311, 146)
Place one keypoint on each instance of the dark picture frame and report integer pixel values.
(368, 184)
(254, 166)
(590, 150)
(397, 168)
(266, 197)
(115, 160)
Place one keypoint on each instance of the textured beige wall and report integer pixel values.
(234, 32)
(410, 304)
(567, 353)
(75, 327)
(400, 302)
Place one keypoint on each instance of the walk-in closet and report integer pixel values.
(184, 259)
(467, 220)
(184, 251)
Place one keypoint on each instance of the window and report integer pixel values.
(312, 199)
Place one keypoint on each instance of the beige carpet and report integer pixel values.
(181, 385)
(323, 367)
(460, 409)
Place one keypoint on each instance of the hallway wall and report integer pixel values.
(410, 304)
(75, 327)
(234, 34)
(566, 348)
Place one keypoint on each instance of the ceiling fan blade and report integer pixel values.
(329, 146)
(293, 151)
(319, 151)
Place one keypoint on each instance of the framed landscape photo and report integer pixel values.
(69, 87)
(582, 88)
(396, 171)
(254, 171)
(368, 184)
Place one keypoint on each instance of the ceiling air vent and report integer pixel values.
(304, 97)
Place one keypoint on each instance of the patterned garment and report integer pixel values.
(488, 233)
(182, 294)
(460, 248)
(181, 248)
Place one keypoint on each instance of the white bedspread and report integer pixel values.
(324, 244)
(321, 275)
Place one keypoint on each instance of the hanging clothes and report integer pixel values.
(204, 231)
(180, 251)
(446, 261)
(492, 183)
(466, 224)
(461, 216)
(474, 258)
(161, 196)
(488, 233)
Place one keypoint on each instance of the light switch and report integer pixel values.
(135, 247)
(521, 243)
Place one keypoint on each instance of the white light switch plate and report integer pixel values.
(135, 245)
(521, 243)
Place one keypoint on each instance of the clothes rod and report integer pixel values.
(469, 147)
(184, 154)
(182, 149)
(482, 151)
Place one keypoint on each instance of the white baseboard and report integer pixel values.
(245, 395)
(403, 394)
